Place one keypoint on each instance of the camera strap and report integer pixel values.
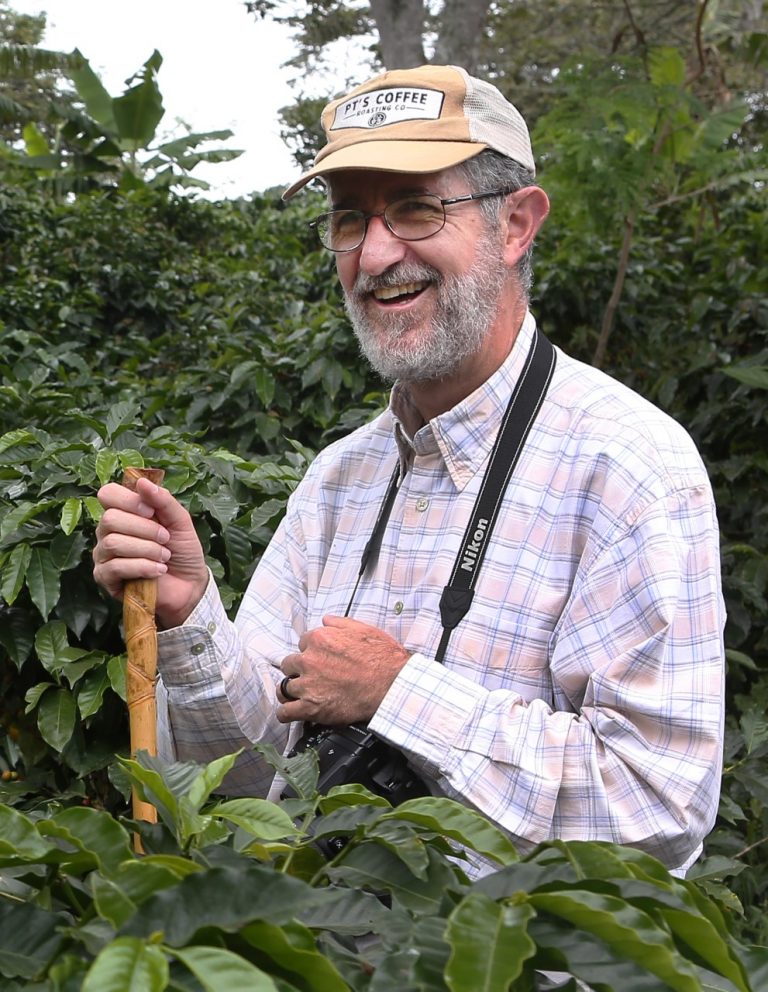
(523, 406)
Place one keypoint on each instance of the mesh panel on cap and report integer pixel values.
(493, 121)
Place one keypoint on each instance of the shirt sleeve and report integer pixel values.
(631, 751)
(196, 721)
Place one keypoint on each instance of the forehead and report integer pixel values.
(364, 186)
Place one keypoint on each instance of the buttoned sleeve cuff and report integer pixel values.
(426, 713)
(187, 655)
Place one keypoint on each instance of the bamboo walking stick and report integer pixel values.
(140, 633)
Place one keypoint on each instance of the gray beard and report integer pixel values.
(465, 310)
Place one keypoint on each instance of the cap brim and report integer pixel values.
(391, 156)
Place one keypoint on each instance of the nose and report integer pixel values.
(380, 249)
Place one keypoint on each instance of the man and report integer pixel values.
(581, 696)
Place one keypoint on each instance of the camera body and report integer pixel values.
(356, 754)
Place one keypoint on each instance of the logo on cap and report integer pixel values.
(391, 105)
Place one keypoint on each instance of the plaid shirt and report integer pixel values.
(581, 696)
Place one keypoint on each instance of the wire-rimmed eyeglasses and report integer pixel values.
(411, 218)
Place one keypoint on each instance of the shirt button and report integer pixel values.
(422, 503)
(211, 627)
(399, 607)
(197, 648)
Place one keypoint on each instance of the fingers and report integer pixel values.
(287, 692)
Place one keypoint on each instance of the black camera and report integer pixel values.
(356, 754)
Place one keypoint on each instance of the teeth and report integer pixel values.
(390, 292)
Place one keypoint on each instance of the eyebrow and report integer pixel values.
(351, 203)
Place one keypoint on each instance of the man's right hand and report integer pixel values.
(148, 534)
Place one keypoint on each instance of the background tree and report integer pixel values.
(521, 45)
(33, 80)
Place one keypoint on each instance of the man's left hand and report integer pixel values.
(341, 673)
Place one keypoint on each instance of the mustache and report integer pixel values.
(397, 275)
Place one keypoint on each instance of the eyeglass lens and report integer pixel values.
(413, 218)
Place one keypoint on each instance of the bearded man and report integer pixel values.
(578, 693)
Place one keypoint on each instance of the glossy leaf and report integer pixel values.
(71, 512)
(95, 832)
(460, 824)
(43, 581)
(30, 937)
(630, 932)
(56, 716)
(224, 897)
(14, 572)
(128, 965)
(217, 969)
(489, 944)
(292, 948)
(51, 642)
(19, 837)
(259, 817)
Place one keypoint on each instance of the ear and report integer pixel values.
(525, 212)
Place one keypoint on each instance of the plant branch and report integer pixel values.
(751, 847)
(609, 315)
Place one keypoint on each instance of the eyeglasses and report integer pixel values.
(413, 218)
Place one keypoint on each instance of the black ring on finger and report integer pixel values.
(284, 688)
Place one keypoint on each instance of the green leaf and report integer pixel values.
(300, 772)
(111, 902)
(259, 817)
(90, 692)
(139, 110)
(116, 669)
(227, 898)
(71, 512)
(450, 819)
(43, 581)
(11, 438)
(667, 67)
(120, 414)
(628, 931)
(755, 376)
(19, 837)
(15, 572)
(128, 965)
(94, 507)
(217, 969)
(210, 778)
(33, 695)
(56, 716)
(292, 948)
(51, 642)
(489, 944)
(17, 634)
(29, 939)
(155, 790)
(106, 465)
(67, 550)
(21, 514)
(94, 831)
(91, 91)
(264, 384)
(374, 867)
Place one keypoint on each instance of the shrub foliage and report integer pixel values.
(209, 339)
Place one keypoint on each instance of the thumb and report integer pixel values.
(168, 511)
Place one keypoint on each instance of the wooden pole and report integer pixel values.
(140, 632)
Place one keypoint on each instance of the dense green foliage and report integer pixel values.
(236, 895)
(209, 339)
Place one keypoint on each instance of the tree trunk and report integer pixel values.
(400, 24)
(461, 33)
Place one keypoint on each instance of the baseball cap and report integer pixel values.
(418, 120)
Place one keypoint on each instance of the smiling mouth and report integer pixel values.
(388, 294)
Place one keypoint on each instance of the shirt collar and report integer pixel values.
(464, 435)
